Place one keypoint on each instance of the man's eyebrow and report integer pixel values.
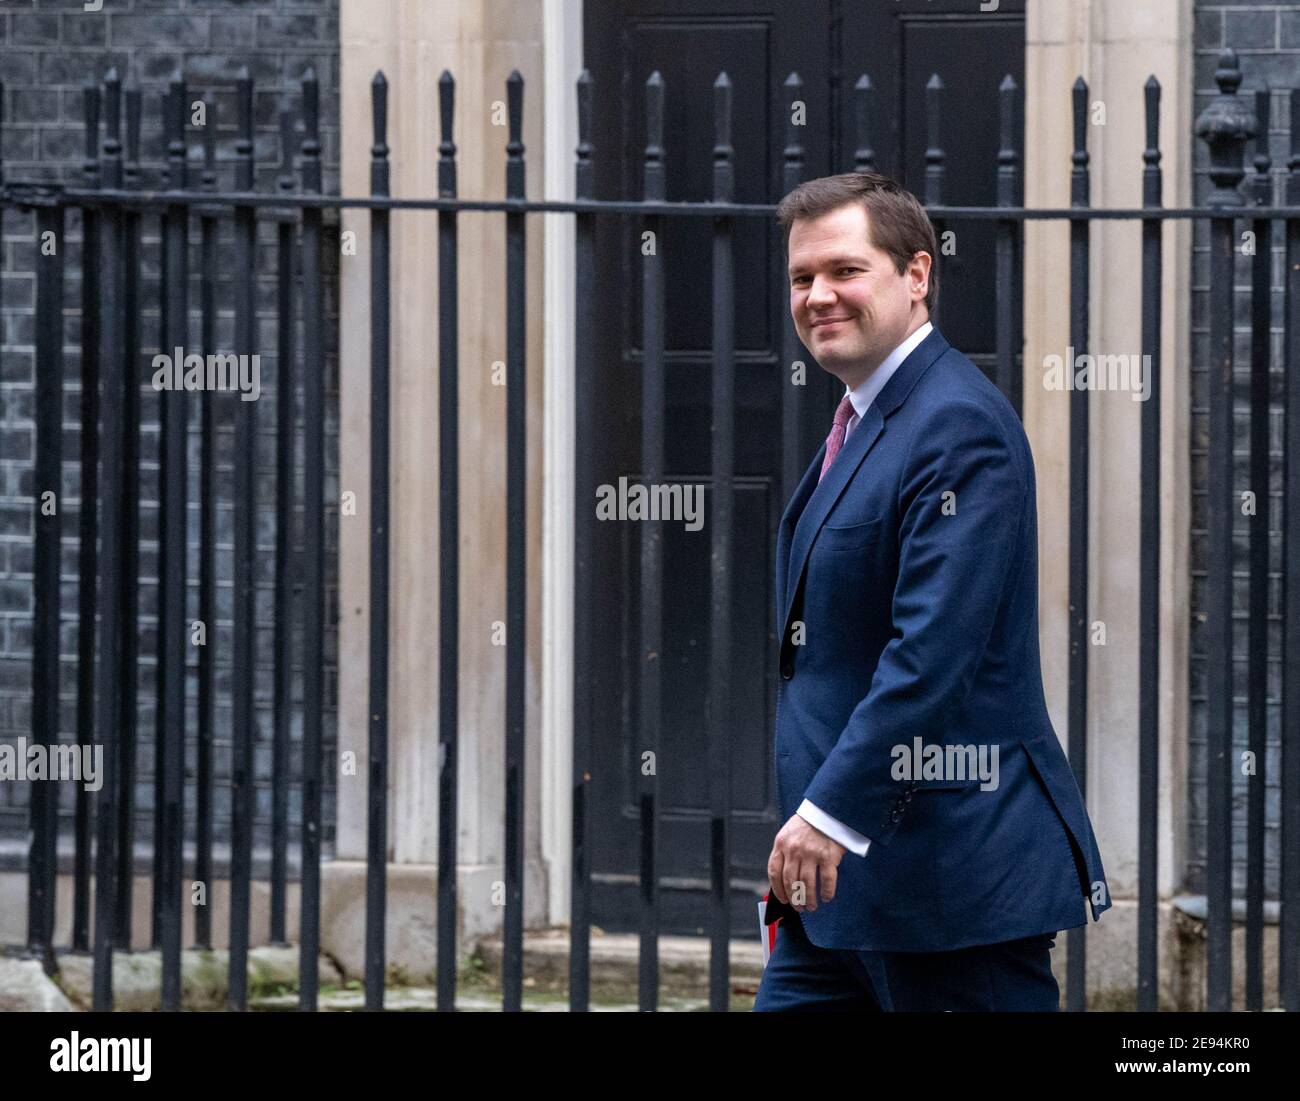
(834, 261)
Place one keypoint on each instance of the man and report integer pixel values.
(935, 840)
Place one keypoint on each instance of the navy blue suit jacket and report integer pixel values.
(913, 569)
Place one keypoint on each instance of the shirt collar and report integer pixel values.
(866, 391)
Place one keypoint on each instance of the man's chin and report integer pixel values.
(835, 362)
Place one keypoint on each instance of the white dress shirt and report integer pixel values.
(861, 398)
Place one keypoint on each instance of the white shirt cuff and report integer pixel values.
(833, 828)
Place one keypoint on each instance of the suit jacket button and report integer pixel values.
(787, 671)
(895, 815)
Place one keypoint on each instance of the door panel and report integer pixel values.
(903, 45)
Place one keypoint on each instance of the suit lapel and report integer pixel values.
(809, 508)
(785, 533)
(826, 494)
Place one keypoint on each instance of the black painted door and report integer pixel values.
(829, 44)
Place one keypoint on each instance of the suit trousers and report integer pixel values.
(1014, 976)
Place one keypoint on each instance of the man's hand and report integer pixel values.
(799, 853)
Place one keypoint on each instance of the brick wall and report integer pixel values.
(1266, 38)
(48, 51)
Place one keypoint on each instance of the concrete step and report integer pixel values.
(683, 978)
(423, 999)
(137, 976)
(683, 961)
(25, 988)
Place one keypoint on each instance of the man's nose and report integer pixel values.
(820, 293)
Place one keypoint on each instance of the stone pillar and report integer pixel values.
(563, 35)
(1115, 45)
(413, 42)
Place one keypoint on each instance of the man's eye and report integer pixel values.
(850, 269)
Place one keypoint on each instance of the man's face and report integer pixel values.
(851, 308)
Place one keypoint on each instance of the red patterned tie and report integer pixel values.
(836, 439)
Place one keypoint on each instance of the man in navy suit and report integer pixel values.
(935, 840)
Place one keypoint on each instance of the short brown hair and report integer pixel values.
(896, 221)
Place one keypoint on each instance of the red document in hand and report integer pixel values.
(770, 912)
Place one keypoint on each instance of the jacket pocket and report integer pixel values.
(851, 538)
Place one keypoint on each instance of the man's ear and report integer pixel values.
(919, 268)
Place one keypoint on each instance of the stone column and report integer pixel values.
(413, 41)
(1115, 45)
(563, 34)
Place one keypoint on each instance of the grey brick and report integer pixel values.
(18, 146)
(83, 28)
(262, 67)
(62, 144)
(1209, 28)
(15, 676)
(17, 442)
(1250, 29)
(19, 292)
(17, 69)
(34, 29)
(33, 106)
(155, 68)
(79, 68)
(228, 31)
(150, 29)
(16, 596)
(287, 30)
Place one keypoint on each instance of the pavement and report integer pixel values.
(273, 978)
